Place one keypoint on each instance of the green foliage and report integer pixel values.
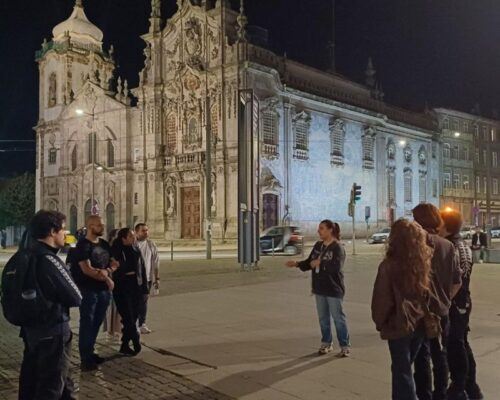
(17, 200)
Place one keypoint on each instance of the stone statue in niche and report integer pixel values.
(170, 192)
(407, 153)
(391, 150)
(193, 41)
(111, 191)
(52, 90)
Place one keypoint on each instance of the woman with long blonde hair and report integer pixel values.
(399, 301)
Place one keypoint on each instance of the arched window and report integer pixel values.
(171, 134)
(110, 217)
(111, 154)
(52, 93)
(74, 158)
(73, 219)
(192, 134)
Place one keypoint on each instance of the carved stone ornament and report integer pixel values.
(269, 182)
(193, 45)
(391, 150)
(408, 153)
(190, 177)
(213, 195)
(422, 155)
(191, 81)
(111, 191)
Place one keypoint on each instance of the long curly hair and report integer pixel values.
(410, 255)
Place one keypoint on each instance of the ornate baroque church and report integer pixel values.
(138, 154)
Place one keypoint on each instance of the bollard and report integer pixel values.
(272, 246)
(171, 250)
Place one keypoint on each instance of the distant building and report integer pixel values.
(470, 170)
(319, 132)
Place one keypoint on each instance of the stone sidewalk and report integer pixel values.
(120, 378)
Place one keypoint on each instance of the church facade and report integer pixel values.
(140, 154)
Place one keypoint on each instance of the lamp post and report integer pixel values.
(92, 137)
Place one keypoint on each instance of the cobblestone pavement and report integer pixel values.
(119, 378)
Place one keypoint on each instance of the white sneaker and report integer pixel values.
(325, 349)
(144, 329)
(344, 352)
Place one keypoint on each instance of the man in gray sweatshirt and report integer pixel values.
(149, 252)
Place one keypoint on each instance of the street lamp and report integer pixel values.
(402, 143)
(80, 112)
(457, 134)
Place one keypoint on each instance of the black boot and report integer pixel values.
(137, 345)
(125, 349)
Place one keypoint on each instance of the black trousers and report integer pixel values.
(143, 309)
(460, 357)
(45, 370)
(435, 350)
(128, 301)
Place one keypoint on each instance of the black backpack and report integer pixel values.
(23, 302)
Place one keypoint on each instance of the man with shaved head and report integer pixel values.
(93, 256)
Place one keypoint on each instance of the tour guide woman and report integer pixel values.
(326, 262)
(130, 287)
(398, 304)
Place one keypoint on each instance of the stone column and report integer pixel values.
(380, 165)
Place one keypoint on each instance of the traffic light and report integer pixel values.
(356, 190)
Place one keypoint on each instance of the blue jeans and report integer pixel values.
(92, 314)
(403, 354)
(331, 307)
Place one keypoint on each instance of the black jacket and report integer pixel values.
(58, 288)
(329, 281)
(479, 239)
(131, 275)
(462, 299)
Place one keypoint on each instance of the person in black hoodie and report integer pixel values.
(326, 262)
(130, 287)
(45, 370)
(461, 360)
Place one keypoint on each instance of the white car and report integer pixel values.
(380, 237)
(467, 232)
(495, 232)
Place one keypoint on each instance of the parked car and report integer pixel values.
(285, 239)
(495, 232)
(380, 237)
(467, 232)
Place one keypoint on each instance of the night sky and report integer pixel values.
(443, 52)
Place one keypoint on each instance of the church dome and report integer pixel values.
(78, 27)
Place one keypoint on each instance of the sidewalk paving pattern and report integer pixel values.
(120, 378)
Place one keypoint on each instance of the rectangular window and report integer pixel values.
(301, 133)
(269, 128)
(136, 198)
(456, 152)
(446, 150)
(52, 156)
(434, 188)
(455, 125)
(466, 127)
(391, 187)
(476, 131)
(408, 188)
(485, 134)
(485, 184)
(478, 184)
(137, 154)
(495, 186)
(446, 180)
(494, 159)
(476, 155)
(422, 189)
(456, 181)
(485, 157)
(493, 135)
(465, 182)
(465, 153)
(446, 123)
